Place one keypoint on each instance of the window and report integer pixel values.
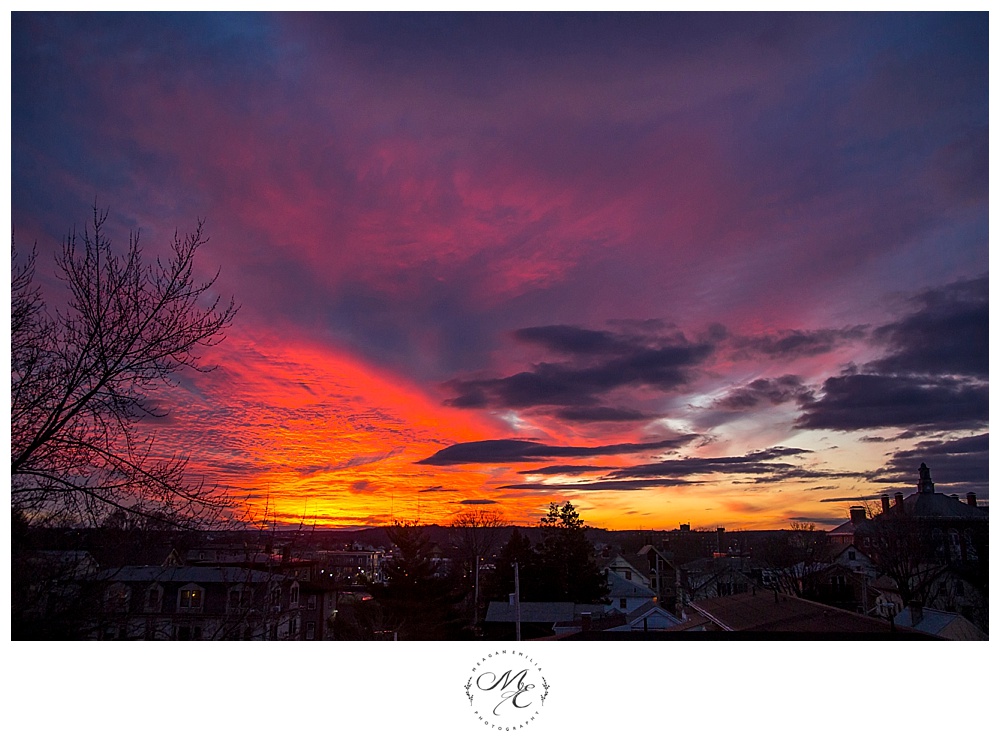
(190, 598)
(628, 574)
(239, 599)
(311, 603)
(311, 630)
(154, 599)
(852, 555)
(294, 595)
(116, 598)
(623, 603)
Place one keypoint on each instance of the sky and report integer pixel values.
(718, 269)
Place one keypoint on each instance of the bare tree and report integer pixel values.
(898, 548)
(82, 374)
(476, 534)
(796, 557)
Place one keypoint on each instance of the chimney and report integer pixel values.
(916, 613)
(899, 500)
(858, 514)
(971, 499)
(885, 503)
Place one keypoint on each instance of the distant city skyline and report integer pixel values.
(718, 269)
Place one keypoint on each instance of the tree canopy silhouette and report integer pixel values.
(561, 568)
(419, 593)
(83, 372)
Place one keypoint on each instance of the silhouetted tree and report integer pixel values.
(475, 534)
(796, 557)
(83, 372)
(899, 548)
(534, 585)
(419, 594)
(567, 558)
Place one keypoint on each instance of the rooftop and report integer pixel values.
(767, 611)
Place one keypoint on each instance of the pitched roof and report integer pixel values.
(936, 505)
(647, 609)
(846, 528)
(540, 612)
(940, 623)
(622, 588)
(770, 612)
(150, 573)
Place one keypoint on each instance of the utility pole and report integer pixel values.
(475, 603)
(517, 603)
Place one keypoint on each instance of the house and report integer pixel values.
(52, 588)
(939, 623)
(956, 532)
(352, 566)
(769, 613)
(840, 586)
(662, 574)
(538, 619)
(195, 603)
(318, 604)
(630, 567)
(853, 559)
(932, 549)
(648, 617)
(627, 595)
(940, 587)
(714, 577)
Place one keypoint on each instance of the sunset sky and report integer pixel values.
(721, 269)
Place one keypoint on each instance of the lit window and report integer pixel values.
(190, 598)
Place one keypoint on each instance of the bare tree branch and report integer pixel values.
(81, 376)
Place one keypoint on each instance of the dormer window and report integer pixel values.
(191, 598)
(154, 599)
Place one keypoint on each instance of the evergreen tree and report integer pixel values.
(567, 558)
(418, 595)
(518, 549)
